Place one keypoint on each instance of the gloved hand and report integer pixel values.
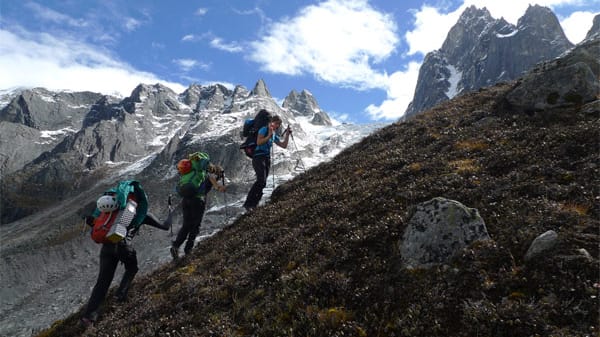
(89, 220)
(131, 233)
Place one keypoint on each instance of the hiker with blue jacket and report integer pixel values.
(127, 196)
(197, 177)
(261, 160)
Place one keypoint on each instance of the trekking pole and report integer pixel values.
(224, 196)
(170, 210)
(299, 157)
(299, 162)
(273, 159)
(83, 227)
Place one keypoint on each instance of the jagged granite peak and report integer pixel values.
(106, 108)
(47, 110)
(238, 99)
(155, 99)
(480, 51)
(466, 32)
(305, 104)
(214, 98)
(191, 95)
(595, 30)
(211, 97)
(542, 24)
(260, 89)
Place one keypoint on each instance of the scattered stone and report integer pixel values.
(542, 243)
(438, 230)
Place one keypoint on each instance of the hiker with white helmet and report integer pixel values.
(116, 220)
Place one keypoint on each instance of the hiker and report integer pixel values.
(203, 176)
(261, 160)
(112, 253)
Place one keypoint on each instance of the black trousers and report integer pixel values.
(193, 212)
(261, 165)
(110, 256)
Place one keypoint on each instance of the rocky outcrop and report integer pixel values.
(570, 80)
(438, 230)
(480, 51)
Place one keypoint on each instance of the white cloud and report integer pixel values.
(400, 91)
(189, 64)
(431, 28)
(336, 41)
(58, 63)
(228, 47)
(131, 24)
(51, 15)
(574, 26)
(201, 11)
(189, 37)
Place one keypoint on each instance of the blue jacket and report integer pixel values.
(265, 149)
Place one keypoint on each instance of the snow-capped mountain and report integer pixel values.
(480, 51)
(60, 150)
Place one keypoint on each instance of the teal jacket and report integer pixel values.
(122, 190)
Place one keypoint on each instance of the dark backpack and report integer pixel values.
(250, 131)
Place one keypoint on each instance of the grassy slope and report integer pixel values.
(322, 258)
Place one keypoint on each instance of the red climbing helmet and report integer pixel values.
(184, 166)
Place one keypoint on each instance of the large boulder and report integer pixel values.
(570, 80)
(438, 229)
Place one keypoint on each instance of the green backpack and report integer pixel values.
(193, 184)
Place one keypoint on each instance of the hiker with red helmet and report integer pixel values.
(197, 177)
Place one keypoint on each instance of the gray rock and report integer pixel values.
(542, 243)
(438, 230)
(570, 80)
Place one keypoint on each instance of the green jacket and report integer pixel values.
(122, 190)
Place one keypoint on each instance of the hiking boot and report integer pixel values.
(88, 319)
(174, 252)
(188, 247)
(86, 322)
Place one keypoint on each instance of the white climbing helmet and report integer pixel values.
(107, 203)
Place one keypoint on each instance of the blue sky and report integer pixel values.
(359, 58)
